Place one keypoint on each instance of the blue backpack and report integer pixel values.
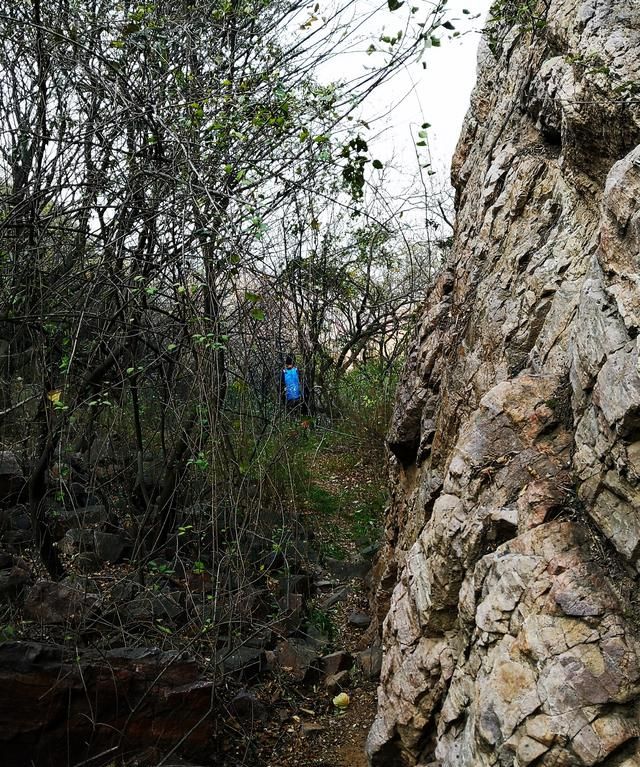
(292, 384)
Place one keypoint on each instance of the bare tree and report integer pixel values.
(145, 150)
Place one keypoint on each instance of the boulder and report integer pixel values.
(336, 662)
(58, 604)
(298, 658)
(369, 662)
(12, 480)
(15, 579)
(140, 698)
(243, 662)
(359, 620)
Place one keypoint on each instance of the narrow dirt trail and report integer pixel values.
(319, 735)
(344, 510)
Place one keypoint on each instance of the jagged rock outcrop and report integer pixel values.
(510, 570)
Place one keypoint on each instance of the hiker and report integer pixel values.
(291, 387)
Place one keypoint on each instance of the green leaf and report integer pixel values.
(117, 44)
(252, 297)
(377, 164)
(394, 4)
(258, 314)
(448, 25)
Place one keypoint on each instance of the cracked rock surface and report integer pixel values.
(509, 575)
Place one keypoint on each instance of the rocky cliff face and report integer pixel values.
(511, 564)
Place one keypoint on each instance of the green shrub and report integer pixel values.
(529, 15)
(366, 395)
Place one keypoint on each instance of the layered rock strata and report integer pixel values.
(509, 576)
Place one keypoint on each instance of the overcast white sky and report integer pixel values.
(438, 95)
(443, 89)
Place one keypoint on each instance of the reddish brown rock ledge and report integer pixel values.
(60, 708)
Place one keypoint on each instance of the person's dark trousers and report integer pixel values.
(297, 407)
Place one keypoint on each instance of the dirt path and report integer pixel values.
(344, 509)
(318, 734)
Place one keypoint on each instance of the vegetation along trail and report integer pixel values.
(209, 281)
